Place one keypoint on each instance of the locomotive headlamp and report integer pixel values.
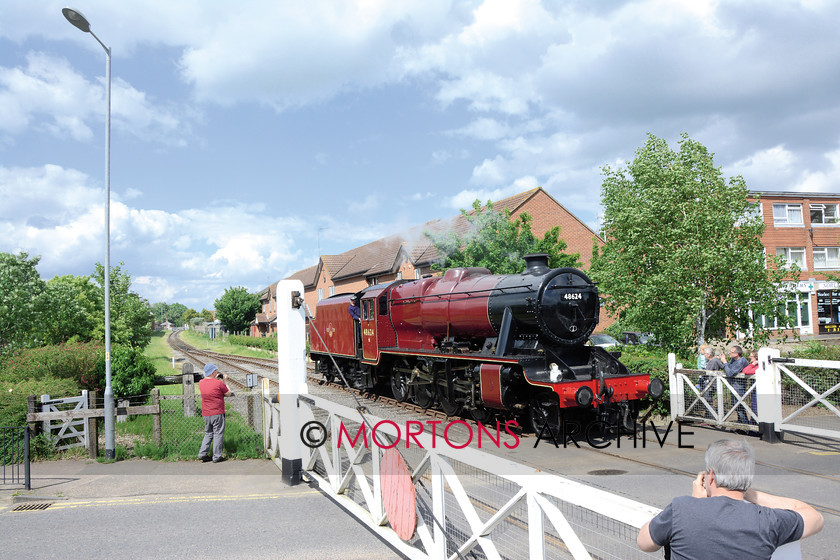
(584, 396)
(656, 388)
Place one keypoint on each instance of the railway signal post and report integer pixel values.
(291, 362)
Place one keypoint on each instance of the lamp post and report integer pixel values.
(78, 20)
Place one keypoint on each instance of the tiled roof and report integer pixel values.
(307, 276)
(264, 318)
(380, 256)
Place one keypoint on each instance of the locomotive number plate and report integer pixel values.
(573, 296)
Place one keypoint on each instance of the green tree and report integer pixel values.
(499, 243)
(207, 315)
(160, 312)
(71, 301)
(131, 316)
(683, 255)
(21, 303)
(132, 373)
(188, 315)
(176, 311)
(237, 308)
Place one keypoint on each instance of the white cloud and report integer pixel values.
(772, 168)
(483, 129)
(50, 95)
(52, 211)
(824, 180)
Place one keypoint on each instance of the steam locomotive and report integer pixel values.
(471, 341)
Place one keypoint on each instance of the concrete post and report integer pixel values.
(291, 362)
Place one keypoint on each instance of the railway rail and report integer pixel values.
(240, 366)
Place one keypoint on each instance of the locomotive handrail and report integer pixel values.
(467, 293)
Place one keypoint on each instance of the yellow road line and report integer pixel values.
(176, 500)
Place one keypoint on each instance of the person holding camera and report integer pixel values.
(213, 392)
(724, 517)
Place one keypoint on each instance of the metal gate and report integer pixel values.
(14, 455)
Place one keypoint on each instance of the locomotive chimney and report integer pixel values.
(536, 263)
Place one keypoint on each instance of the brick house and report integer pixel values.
(410, 254)
(804, 228)
(265, 323)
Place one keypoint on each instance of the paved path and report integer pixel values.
(187, 509)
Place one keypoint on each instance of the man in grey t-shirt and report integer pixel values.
(724, 518)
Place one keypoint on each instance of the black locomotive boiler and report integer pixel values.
(483, 343)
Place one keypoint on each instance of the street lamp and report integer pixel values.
(78, 20)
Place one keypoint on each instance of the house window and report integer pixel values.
(792, 255)
(417, 274)
(332, 291)
(787, 214)
(797, 309)
(372, 281)
(826, 257)
(399, 275)
(320, 294)
(824, 214)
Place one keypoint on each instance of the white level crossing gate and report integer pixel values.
(784, 395)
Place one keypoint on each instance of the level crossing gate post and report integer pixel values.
(676, 388)
(291, 366)
(768, 387)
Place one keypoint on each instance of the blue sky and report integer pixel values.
(243, 134)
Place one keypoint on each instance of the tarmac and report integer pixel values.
(76, 484)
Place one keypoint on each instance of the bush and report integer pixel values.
(13, 395)
(648, 360)
(74, 361)
(262, 342)
(132, 373)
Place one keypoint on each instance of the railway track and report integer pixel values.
(237, 366)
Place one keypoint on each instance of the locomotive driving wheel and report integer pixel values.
(399, 380)
(449, 405)
(481, 414)
(424, 395)
(545, 416)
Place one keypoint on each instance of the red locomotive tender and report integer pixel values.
(486, 344)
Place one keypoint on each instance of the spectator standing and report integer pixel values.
(724, 517)
(213, 392)
(737, 362)
(750, 369)
(701, 356)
